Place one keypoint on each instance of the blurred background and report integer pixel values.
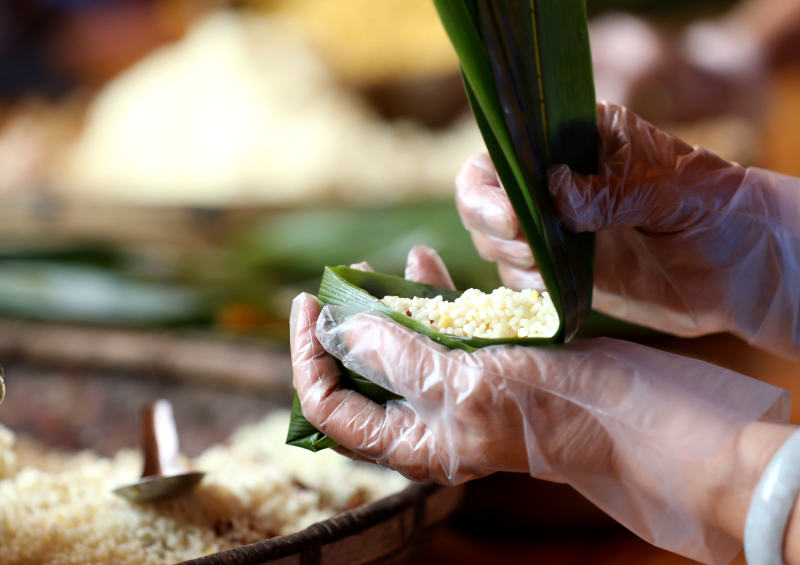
(198, 161)
(188, 166)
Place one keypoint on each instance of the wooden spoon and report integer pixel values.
(164, 475)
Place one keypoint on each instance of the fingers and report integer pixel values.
(514, 252)
(368, 430)
(478, 169)
(390, 354)
(580, 200)
(402, 441)
(346, 416)
(482, 203)
(310, 362)
(397, 435)
(425, 266)
(314, 372)
(486, 211)
(647, 179)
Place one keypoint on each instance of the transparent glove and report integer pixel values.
(687, 242)
(631, 428)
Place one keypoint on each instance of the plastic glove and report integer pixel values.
(687, 242)
(631, 428)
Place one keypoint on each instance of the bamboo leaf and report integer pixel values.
(350, 287)
(302, 433)
(527, 72)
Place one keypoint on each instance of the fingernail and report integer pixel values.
(425, 265)
(424, 249)
(483, 162)
(362, 266)
(413, 261)
(299, 303)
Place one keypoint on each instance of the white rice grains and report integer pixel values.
(256, 487)
(502, 314)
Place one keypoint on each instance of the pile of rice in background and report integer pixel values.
(244, 110)
(256, 487)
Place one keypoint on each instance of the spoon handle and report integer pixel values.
(159, 438)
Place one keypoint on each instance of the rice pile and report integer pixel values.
(244, 110)
(502, 314)
(255, 488)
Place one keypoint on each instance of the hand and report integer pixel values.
(687, 242)
(647, 436)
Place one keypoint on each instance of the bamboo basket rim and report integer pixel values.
(418, 507)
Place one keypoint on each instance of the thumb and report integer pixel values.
(595, 202)
(658, 205)
(647, 179)
(424, 265)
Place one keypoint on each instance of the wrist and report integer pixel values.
(731, 483)
(771, 534)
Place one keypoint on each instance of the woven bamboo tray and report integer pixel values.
(91, 382)
(386, 531)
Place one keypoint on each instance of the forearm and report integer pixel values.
(661, 443)
(707, 495)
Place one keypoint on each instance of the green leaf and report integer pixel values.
(302, 433)
(51, 291)
(344, 286)
(527, 72)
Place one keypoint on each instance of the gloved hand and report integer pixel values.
(631, 428)
(687, 242)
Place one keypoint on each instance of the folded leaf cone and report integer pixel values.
(527, 72)
(362, 291)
